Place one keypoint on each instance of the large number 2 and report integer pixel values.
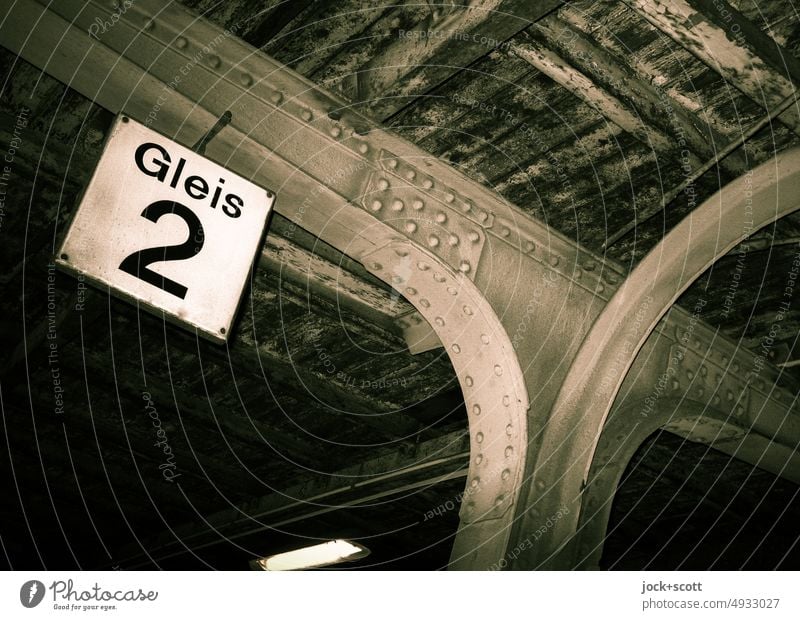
(136, 264)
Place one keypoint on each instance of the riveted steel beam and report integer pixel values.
(375, 197)
(561, 466)
(364, 191)
(711, 395)
(493, 386)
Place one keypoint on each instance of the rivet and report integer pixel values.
(676, 384)
(483, 216)
(334, 115)
(484, 339)
(600, 288)
(276, 97)
(716, 399)
(736, 367)
(424, 303)
(417, 204)
(306, 115)
(422, 266)
(479, 437)
(433, 241)
(703, 371)
(452, 240)
(439, 278)
(427, 184)
(611, 278)
(392, 163)
(376, 205)
(506, 474)
(499, 500)
(777, 395)
(181, 43)
(411, 175)
(739, 409)
(383, 184)
(475, 482)
(363, 148)
(530, 246)
(506, 401)
(724, 360)
(452, 290)
(397, 205)
(411, 227)
(700, 391)
(439, 321)
(540, 484)
(464, 267)
(498, 369)
(377, 266)
(589, 265)
(476, 409)
(474, 237)
(401, 252)
(468, 380)
(509, 451)
(505, 232)
(509, 430)
(449, 197)
(246, 79)
(729, 395)
(336, 132)
(397, 280)
(214, 61)
(466, 207)
(689, 374)
(411, 291)
(441, 217)
(479, 459)
(456, 348)
(554, 260)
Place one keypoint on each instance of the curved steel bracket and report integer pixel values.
(562, 463)
(493, 386)
(617, 445)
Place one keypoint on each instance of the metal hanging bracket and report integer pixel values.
(200, 146)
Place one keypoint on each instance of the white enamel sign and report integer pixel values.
(168, 228)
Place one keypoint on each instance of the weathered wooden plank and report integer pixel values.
(646, 103)
(438, 110)
(730, 44)
(451, 40)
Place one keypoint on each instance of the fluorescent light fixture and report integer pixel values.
(324, 554)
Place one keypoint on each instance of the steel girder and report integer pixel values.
(608, 351)
(509, 298)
